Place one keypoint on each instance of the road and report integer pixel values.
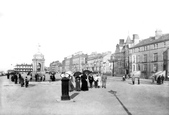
(119, 98)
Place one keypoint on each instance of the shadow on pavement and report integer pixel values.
(74, 95)
(125, 108)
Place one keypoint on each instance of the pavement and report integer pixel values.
(119, 98)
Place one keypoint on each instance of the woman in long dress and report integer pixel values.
(84, 82)
(77, 80)
(71, 86)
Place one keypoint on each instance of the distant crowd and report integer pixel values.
(24, 77)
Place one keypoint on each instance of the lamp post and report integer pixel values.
(112, 61)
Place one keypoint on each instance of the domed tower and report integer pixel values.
(38, 62)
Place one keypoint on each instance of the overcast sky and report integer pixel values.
(64, 27)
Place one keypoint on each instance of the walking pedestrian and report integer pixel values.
(84, 82)
(99, 80)
(22, 82)
(36, 77)
(7, 75)
(162, 78)
(26, 82)
(77, 80)
(159, 80)
(95, 81)
(15, 78)
(71, 86)
(91, 79)
(104, 80)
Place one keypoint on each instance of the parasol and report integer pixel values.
(87, 71)
(77, 73)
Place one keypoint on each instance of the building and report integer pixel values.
(99, 62)
(67, 63)
(55, 66)
(121, 56)
(23, 68)
(150, 55)
(106, 64)
(38, 62)
(91, 61)
(78, 61)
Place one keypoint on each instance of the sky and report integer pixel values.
(64, 27)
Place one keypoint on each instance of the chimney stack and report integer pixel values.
(158, 33)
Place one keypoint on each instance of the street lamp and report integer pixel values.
(112, 60)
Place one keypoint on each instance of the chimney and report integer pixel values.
(121, 42)
(158, 33)
(136, 39)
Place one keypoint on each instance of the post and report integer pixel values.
(65, 89)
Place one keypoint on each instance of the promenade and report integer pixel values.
(119, 98)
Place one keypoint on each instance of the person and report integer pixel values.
(159, 80)
(71, 87)
(104, 80)
(95, 81)
(54, 77)
(36, 77)
(7, 75)
(124, 77)
(15, 78)
(99, 80)
(44, 77)
(162, 78)
(84, 86)
(20, 78)
(91, 79)
(26, 82)
(12, 77)
(77, 80)
(22, 82)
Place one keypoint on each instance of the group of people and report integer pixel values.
(159, 79)
(86, 80)
(17, 78)
(39, 77)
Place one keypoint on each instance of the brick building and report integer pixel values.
(121, 56)
(150, 55)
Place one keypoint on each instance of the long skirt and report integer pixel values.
(84, 85)
(78, 85)
(71, 87)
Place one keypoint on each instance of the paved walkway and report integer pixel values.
(119, 98)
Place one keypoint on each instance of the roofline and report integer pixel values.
(149, 43)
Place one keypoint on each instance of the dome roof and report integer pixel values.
(38, 55)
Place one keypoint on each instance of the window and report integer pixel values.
(145, 57)
(145, 67)
(155, 67)
(155, 57)
(152, 46)
(164, 44)
(155, 46)
(134, 59)
(138, 58)
(138, 67)
(133, 67)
